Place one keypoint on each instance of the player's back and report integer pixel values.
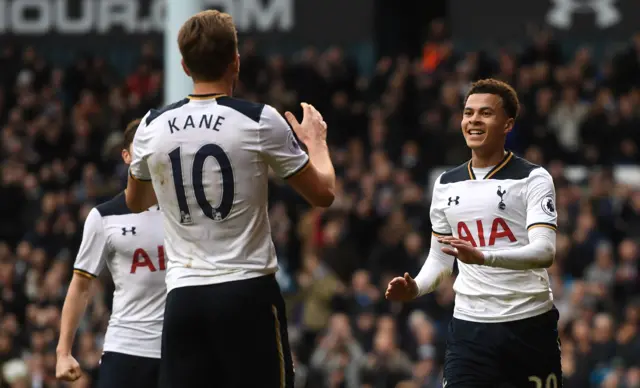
(208, 158)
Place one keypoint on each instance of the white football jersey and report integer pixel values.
(208, 159)
(495, 212)
(131, 245)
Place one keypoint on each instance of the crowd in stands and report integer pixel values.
(60, 141)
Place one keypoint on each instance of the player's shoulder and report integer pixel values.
(540, 172)
(454, 175)
(155, 113)
(116, 206)
(249, 109)
(517, 168)
(512, 167)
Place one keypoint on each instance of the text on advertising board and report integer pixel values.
(34, 17)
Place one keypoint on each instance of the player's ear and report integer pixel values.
(508, 126)
(185, 68)
(126, 156)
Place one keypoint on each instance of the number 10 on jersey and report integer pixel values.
(218, 213)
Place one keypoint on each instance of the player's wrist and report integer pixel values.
(488, 258)
(317, 145)
(63, 352)
(417, 291)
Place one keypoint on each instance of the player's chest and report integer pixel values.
(483, 208)
(137, 241)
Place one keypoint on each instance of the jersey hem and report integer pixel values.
(138, 178)
(542, 225)
(84, 273)
(137, 352)
(298, 170)
(194, 281)
(539, 310)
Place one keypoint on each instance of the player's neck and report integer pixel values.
(217, 87)
(487, 159)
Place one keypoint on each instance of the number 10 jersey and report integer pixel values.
(208, 158)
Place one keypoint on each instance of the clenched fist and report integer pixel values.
(67, 368)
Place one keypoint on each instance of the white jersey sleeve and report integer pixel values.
(541, 200)
(539, 253)
(437, 265)
(541, 212)
(139, 169)
(279, 146)
(439, 224)
(94, 250)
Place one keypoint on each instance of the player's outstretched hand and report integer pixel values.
(313, 129)
(402, 289)
(67, 368)
(462, 249)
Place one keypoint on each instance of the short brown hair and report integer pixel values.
(130, 132)
(509, 96)
(208, 43)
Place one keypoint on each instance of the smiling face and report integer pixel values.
(485, 123)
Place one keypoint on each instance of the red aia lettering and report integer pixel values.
(161, 257)
(465, 234)
(504, 232)
(141, 259)
(499, 229)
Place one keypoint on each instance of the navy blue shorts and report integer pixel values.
(231, 335)
(118, 370)
(524, 353)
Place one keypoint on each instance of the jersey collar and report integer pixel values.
(209, 96)
(507, 158)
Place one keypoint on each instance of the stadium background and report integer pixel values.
(389, 77)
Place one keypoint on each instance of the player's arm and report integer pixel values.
(541, 227)
(89, 262)
(539, 253)
(139, 193)
(312, 175)
(316, 183)
(437, 266)
(75, 304)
